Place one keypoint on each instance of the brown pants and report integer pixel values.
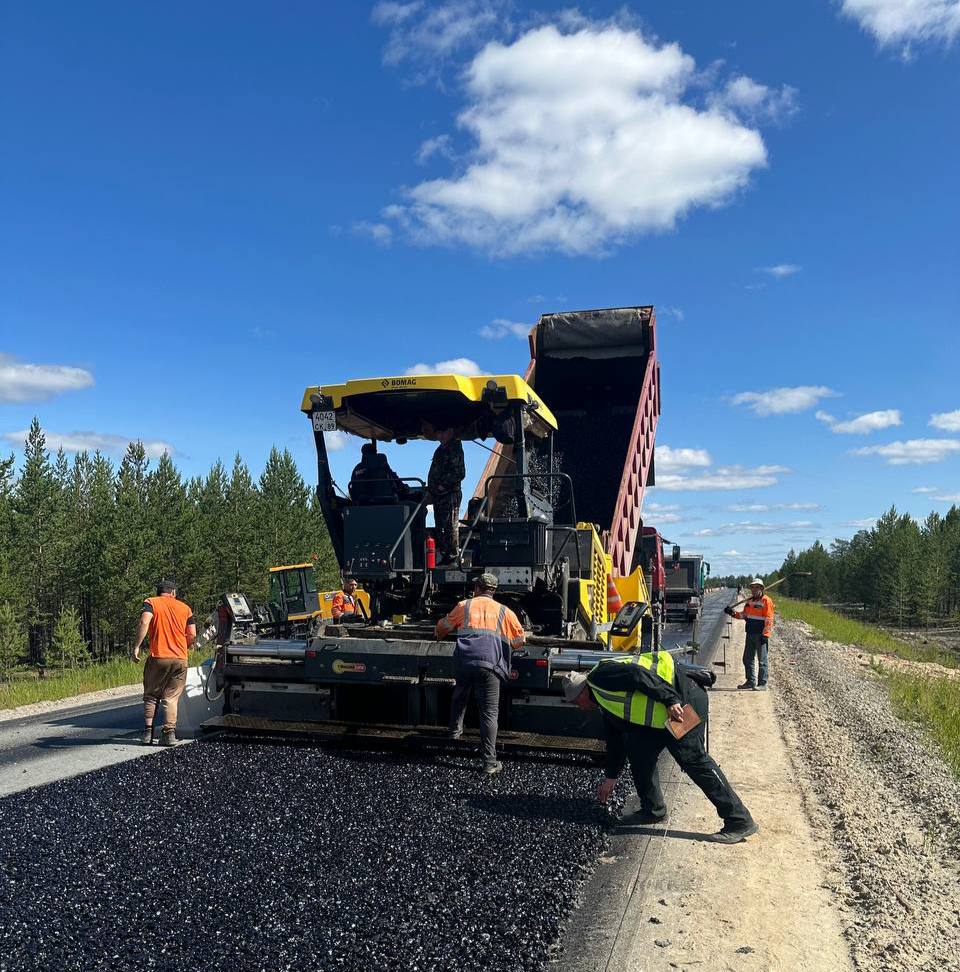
(164, 680)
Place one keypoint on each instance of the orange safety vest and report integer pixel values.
(758, 615)
(169, 620)
(343, 603)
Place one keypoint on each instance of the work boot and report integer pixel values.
(491, 769)
(643, 817)
(761, 687)
(147, 736)
(735, 833)
(454, 733)
(168, 737)
(746, 685)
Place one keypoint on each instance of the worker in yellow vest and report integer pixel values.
(637, 695)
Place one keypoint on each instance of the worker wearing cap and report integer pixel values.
(346, 607)
(637, 695)
(444, 483)
(758, 614)
(172, 631)
(487, 633)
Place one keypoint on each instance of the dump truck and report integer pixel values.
(555, 515)
(685, 580)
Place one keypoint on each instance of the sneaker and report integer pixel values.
(454, 733)
(761, 686)
(735, 833)
(168, 737)
(491, 769)
(746, 685)
(147, 736)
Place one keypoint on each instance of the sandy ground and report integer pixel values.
(55, 705)
(761, 905)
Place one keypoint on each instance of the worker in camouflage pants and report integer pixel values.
(444, 482)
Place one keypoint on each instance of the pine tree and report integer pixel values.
(69, 650)
(285, 511)
(243, 536)
(34, 513)
(130, 564)
(13, 640)
(168, 526)
(10, 576)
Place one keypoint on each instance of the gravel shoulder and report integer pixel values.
(57, 705)
(884, 805)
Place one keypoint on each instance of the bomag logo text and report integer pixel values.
(348, 668)
(398, 382)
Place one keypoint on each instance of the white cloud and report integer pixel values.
(783, 401)
(746, 98)
(381, 233)
(913, 451)
(867, 523)
(781, 270)
(948, 498)
(748, 526)
(665, 518)
(904, 22)
(22, 382)
(723, 477)
(667, 458)
(428, 35)
(582, 140)
(661, 507)
(948, 421)
(862, 424)
(105, 442)
(336, 441)
(455, 366)
(501, 328)
(438, 145)
(924, 489)
(665, 310)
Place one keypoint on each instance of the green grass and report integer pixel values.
(835, 627)
(934, 703)
(26, 688)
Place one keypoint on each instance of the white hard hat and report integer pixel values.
(756, 582)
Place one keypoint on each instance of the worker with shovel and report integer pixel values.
(650, 704)
(758, 614)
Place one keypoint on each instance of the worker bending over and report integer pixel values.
(637, 695)
(444, 482)
(488, 633)
(346, 607)
(172, 631)
(758, 614)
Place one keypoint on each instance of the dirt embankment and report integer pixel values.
(885, 807)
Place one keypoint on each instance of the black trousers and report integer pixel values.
(486, 686)
(644, 747)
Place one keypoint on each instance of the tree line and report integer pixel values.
(83, 541)
(902, 571)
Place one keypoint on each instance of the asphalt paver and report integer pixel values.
(252, 855)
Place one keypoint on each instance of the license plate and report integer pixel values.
(324, 421)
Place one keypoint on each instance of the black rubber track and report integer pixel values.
(260, 856)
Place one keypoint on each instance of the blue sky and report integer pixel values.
(207, 207)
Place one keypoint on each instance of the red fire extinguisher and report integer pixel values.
(431, 553)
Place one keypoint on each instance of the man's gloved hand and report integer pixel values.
(728, 610)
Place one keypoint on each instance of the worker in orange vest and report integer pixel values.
(488, 634)
(758, 614)
(346, 607)
(172, 631)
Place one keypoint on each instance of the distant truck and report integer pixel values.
(686, 575)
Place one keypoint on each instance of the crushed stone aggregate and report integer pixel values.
(883, 801)
(261, 856)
